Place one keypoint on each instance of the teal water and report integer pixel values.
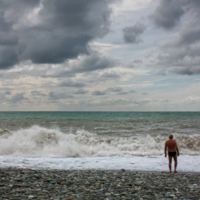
(123, 124)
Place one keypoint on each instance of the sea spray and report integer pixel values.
(38, 141)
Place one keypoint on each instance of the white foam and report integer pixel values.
(157, 163)
(41, 148)
(42, 142)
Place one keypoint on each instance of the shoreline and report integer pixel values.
(107, 170)
(23, 183)
(133, 163)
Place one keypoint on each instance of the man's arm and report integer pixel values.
(165, 149)
(177, 150)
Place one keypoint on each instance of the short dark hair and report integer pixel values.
(171, 136)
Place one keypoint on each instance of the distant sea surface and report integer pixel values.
(97, 137)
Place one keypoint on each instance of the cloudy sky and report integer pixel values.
(99, 55)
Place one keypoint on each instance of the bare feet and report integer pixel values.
(175, 171)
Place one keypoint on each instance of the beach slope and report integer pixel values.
(97, 184)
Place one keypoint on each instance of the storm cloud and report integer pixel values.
(111, 75)
(54, 96)
(70, 83)
(181, 55)
(99, 55)
(132, 34)
(81, 91)
(17, 98)
(93, 62)
(37, 93)
(49, 31)
(168, 13)
(98, 93)
(115, 89)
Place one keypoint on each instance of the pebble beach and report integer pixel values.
(98, 155)
(18, 184)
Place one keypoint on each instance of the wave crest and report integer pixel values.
(42, 142)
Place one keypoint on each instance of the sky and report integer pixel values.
(99, 55)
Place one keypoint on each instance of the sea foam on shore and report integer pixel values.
(155, 163)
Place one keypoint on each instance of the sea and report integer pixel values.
(98, 140)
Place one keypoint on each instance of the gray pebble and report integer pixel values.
(97, 184)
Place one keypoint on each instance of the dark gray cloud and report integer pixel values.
(7, 92)
(111, 75)
(56, 51)
(145, 93)
(38, 93)
(93, 63)
(122, 93)
(115, 89)
(182, 56)
(186, 70)
(17, 98)
(161, 72)
(70, 83)
(119, 91)
(168, 13)
(2, 97)
(137, 61)
(8, 39)
(52, 31)
(98, 93)
(81, 91)
(132, 34)
(59, 95)
(8, 56)
(165, 101)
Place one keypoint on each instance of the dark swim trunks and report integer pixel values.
(172, 153)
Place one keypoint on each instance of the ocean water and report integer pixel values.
(98, 140)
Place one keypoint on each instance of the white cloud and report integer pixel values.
(192, 100)
(103, 48)
(129, 5)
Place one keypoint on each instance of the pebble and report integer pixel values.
(97, 184)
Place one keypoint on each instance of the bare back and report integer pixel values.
(171, 145)
(173, 152)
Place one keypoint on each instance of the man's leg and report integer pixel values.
(170, 162)
(175, 163)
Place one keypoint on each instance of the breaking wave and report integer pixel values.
(37, 141)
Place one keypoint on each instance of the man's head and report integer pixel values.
(170, 136)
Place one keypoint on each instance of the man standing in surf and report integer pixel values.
(172, 148)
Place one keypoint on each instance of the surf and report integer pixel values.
(37, 141)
